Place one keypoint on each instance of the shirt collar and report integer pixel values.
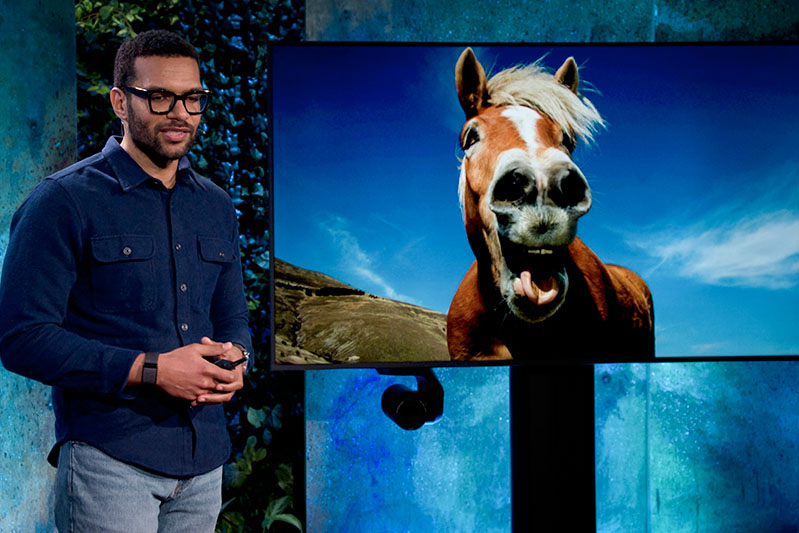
(130, 175)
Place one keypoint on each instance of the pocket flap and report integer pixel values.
(114, 248)
(215, 250)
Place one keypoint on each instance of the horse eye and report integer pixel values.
(470, 138)
(568, 142)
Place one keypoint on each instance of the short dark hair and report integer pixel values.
(149, 43)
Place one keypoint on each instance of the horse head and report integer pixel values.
(521, 193)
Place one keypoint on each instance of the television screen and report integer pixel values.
(424, 220)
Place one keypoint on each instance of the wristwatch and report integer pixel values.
(149, 371)
(244, 353)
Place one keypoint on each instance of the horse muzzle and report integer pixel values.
(536, 220)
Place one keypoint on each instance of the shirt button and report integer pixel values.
(183, 287)
(126, 250)
(178, 246)
(221, 254)
(184, 327)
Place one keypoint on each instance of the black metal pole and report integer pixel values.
(552, 448)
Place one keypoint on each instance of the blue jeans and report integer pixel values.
(97, 493)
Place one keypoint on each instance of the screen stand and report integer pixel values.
(411, 409)
(552, 448)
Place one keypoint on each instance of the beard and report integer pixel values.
(147, 138)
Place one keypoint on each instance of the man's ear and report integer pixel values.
(119, 103)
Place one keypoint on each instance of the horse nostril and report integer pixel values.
(513, 187)
(570, 191)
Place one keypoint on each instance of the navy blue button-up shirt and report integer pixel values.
(105, 263)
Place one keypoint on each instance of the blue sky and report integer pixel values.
(695, 180)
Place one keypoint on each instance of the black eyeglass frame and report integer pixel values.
(147, 95)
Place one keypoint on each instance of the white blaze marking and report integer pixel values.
(525, 120)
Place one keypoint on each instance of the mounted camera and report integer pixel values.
(411, 409)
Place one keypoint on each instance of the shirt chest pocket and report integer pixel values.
(123, 273)
(215, 255)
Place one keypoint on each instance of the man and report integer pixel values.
(122, 275)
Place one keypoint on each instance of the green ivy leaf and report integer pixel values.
(256, 417)
(277, 506)
(232, 475)
(275, 416)
(285, 476)
(287, 518)
(105, 12)
(260, 455)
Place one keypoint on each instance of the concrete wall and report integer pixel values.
(37, 137)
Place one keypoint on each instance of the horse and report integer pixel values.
(535, 291)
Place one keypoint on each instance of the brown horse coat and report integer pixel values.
(608, 315)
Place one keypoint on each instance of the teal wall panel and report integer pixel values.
(697, 447)
(365, 473)
(559, 21)
(37, 137)
(621, 446)
(492, 21)
(723, 447)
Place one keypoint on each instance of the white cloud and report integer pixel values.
(757, 251)
(743, 235)
(360, 263)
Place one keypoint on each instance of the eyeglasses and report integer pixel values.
(162, 102)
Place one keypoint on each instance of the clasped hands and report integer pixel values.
(183, 373)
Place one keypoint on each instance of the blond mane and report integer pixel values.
(531, 86)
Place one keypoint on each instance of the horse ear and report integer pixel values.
(567, 75)
(470, 81)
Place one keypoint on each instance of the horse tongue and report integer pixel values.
(540, 293)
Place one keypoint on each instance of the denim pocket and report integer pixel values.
(123, 273)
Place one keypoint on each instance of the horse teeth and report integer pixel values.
(539, 251)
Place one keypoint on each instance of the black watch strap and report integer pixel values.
(150, 370)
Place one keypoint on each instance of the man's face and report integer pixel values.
(163, 138)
